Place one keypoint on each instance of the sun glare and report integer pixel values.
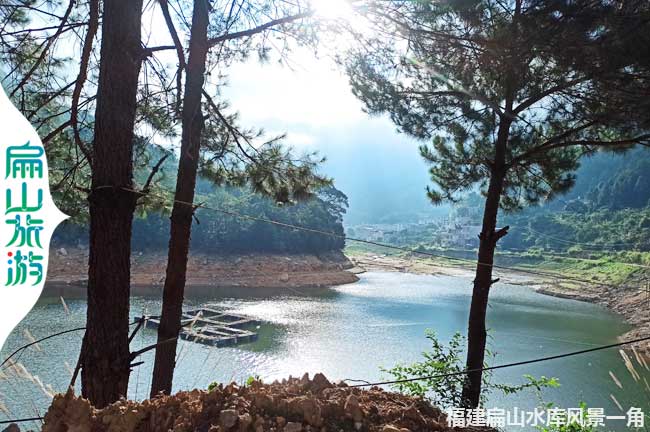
(333, 9)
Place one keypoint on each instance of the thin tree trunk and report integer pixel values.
(181, 219)
(105, 349)
(477, 334)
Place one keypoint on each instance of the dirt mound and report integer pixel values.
(293, 405)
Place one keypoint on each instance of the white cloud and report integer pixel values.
(310, 93)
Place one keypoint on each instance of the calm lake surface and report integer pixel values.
(351, 332)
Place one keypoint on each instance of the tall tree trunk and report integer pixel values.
(477, 334)
(105, 349)
(181, 219)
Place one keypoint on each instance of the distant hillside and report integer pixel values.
(219, 233)
(215, 232)
(607, 210)
(611, 181)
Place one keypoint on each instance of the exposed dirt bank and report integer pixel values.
(630, 300)
(295, 405)
(67, 272)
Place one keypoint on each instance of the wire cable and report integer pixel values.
(24, 420)
(373, 243)
(465, 372)
(503, 366)
(601, 246)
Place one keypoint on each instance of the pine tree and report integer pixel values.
(504, 92)
(212, 144)
(105, 355)
(92, 155)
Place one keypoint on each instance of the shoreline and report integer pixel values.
(258, 274)
(630, 303)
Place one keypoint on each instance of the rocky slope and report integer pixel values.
(295, 405)
(68, 270)
(631, 299)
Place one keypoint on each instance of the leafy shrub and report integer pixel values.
(443, 368)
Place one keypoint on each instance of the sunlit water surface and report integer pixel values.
(351, 332)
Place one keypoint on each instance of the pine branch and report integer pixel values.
(93, 26)
(259, 29)
(231, 129)
(539, 96)
(45, 50)
(164, 7)
(153, 172)
(638, 140)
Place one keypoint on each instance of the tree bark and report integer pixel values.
(477, 334)
(105, 349)
(182, 214)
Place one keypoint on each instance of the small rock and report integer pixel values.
(228, 418)
(13, 427)
(353, 409)
(62, 252)
(320, 383)
(293, 427)
(259, 424)
(263, 401)
(281, 421)
(284, 277)
(308, 408)
(413, 414)
(245, 421)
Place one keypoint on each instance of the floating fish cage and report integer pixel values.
(211, 326)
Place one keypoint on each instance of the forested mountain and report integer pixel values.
(607, 210)
(219, 232)
(610, 181)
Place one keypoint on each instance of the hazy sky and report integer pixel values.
(311, 101)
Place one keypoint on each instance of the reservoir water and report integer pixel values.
(350, 332)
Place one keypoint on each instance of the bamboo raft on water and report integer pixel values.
(211, 326)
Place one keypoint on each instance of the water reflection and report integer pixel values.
(350, 332)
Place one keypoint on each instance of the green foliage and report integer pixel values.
(251, 379)
(531, 383)
(571, 427)
(439, 360)
(443, 367)
(586, 235)
(466, 76)
(625, 187)
(219, 233)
